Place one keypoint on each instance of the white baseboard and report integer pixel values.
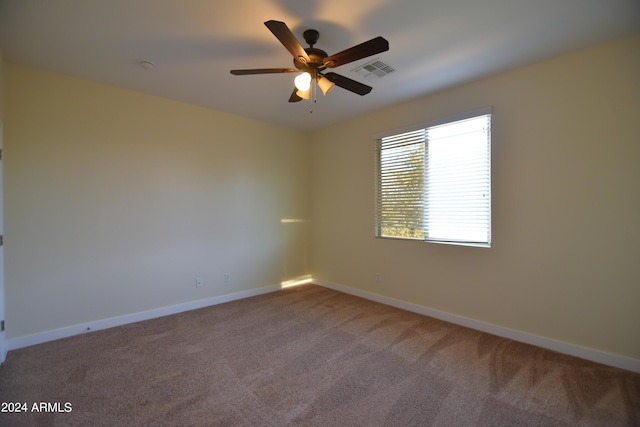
(605, 358)
(548, 343)
(55, 334)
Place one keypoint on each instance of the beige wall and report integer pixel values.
(1, 85)
(565, 258)
(2, 298)
(116, 201)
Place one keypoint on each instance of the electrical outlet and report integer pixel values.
(227, 277)
(378, 277)
(199, 282)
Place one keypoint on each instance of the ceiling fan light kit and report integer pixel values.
(325, 85)
(313, 62)
(304, 94)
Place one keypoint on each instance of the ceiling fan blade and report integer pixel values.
(372, 47)
(262, 71)
(348, 84)
(288, 40)
(294, 96)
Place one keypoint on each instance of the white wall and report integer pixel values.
(116, 201)
(565, 261)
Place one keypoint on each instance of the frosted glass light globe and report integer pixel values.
(303, 82)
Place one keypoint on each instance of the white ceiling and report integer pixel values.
(434, 44)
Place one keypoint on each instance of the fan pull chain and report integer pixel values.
(312, 95)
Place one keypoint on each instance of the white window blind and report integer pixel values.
(434, 183)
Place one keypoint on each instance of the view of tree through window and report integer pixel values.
(402, 182)
(435, 183)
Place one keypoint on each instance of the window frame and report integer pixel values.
(424, 126)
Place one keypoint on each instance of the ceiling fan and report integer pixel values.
(313, 62)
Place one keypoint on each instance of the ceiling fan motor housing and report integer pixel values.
(316, 56)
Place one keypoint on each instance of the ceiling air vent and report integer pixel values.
(374, 69)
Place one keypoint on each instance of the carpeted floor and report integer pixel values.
(309, 356)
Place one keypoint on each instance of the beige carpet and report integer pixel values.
(310, 356)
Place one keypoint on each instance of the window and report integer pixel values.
(433, 182)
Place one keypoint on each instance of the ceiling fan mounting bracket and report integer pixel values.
(311, 37)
